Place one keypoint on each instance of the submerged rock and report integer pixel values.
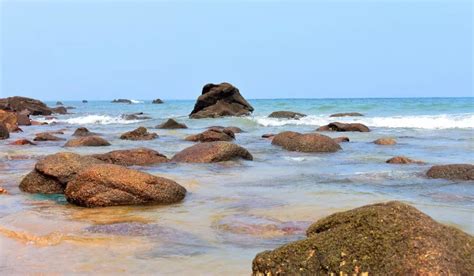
(132, 157)
(83, 132)
(234, 129)
(286, 115)
(135, 116)
(157, 101)
(336, 126)
(342, 139)
(452, 171)
(18, 104)
(385, 141)
(4, 133)
(122, 101)
(382, 239)
(268, 135)
(348, 114)
(218, 100)
(212, 135)
(140, 133)
(45, 136)
(84, 101)
(22, 142)
(112, 185)
(88, 141)
(310, 142)
(212, 152)
(403, 160)
(171, 124)
(59, 110)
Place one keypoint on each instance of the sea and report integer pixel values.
(235, 209)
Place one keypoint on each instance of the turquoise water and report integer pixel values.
(236, 209)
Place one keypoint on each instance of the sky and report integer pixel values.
(143, 49)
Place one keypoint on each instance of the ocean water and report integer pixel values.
(233, 210)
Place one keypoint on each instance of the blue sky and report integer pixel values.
(63, 50)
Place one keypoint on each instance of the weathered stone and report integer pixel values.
(234, 129)
(211, 135)
(140, 133)
(385, 141)
(4, 133)
(45, 136)
(59, 110)
(212, 152)
(18, 104)
(35, 182)
(132, 157)
(336, 126)
(402, 160)
(122, 101)
(348, 114)
(171, 124)
(310, 142)
(342, 139)
(286, 115)
(9, 119)
(157, 101)
(22, 142)
(83, 132)
(88, 141)
(452, 171)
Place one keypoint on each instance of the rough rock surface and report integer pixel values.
(382, 239)
(212, 135)
(83, 132)
(9, 119)
(403, 160)
(286, 115)
(35, 182)
(112, 185)
(4, 133)
(218, 100)
(132, 157)
(140, 133)
(88, 141)
(310, 142)
(23, 119)
(212, 152)
(385, 141)
(59, 110)
(348, 114)
(45, 136)
(171, 124)
(336, 126)
(18, 104)
(234, 129)
(22, 142)
(452, 171)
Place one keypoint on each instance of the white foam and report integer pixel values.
(442, 121)
(94, 119)
(136, 101)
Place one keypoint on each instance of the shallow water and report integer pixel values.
(233, 210)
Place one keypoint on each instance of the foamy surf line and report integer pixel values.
(442, 121)
(93, 119)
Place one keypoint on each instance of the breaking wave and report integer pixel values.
(95, 119)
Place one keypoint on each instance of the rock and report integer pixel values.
(230, 128)
(122, 101)
(268, 135)
(212, 152)
(157, 101)
(84, 101)
(3, 191)
(51, 132)
(9, 119)
(286, 115)
(23, 119)
(88, 141)
(140, 133)
(36, 123)
(45, 136)
(132, 157)
(336, 126)
(59, 110)
(342, 139)
(18, 104)
(59, 103)
(22, 142)
(171, 124)
(70, 107)
(212, 135)
(35, 182)
(348, 114)
(311, 142)
(83, 132)
(382, 239)
(135, 116)
(112, 185)
(402, 160)
(385, 141)
(4, 133)
(49, 118)
(452, 172)
(218, 100)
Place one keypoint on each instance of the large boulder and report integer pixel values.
(402, 160)
(18, 104)
(234, 129)
(310, 142)
(53, 172)
(141, 133)
(452, 171)
(132, 157)
(385, 141)
(45, 136)
(382, 239)
(286, 115)
(4, 133)
(171, 124)
(9, 119)
(212, 135)
(336, 126)
(212, 152)
(87, 141)
(218, 100)
(347, 114)
(135, 116)
(23, 119)
(59, 110)
(112, 185)
(83, 132)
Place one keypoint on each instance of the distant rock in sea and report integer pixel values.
(212, 135)
(336, 126)
(132, 157)
(157, 101)
(122, 101)
(286, 115)
(348, 114)
(84, 101)
(59, 103)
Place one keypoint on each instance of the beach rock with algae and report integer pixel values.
(111, 185)
(310, 142)
(212, 152)
(390, 238)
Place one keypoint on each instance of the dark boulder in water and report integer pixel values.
(385, 141)
(171, 124)
(122, 101)
(212, 135)
(382, 239)
(342, 139)
(87, 141)
(348, 114)
(141, 133)
(212, 152)
(59, 110)
(135, 116)
(83, 132)
(45, 136)
(402, 160)
(286, 115)
(112, 185)
(59, 103)
(219, 100)
(18, 104)
(4, 133)
(157, 101)
(132, 157)
(310, 142)
(336, 126)
(234, 129)
(452, 171)
(84, 101)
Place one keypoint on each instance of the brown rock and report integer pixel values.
(132, 157)
(3, 191)
(212, 152)
(402, 160)
(348, 114)
(36, 123)
(9, 119)
(4, 133)
(212, 135)
(268, 136)
(336, 126)
(382, 239)
(23, 120)
(311, 142)
(22, 142)
(88, 141)
(171, 124)
(452, 171)
(234, 129)
(35, 182)
(140, 133)
(286, 115)
(18, 104)
(112, 185)
(218, 100)
(342, 139)
(59, 110)
(83, 132)
(385, 141)
(45, 136)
